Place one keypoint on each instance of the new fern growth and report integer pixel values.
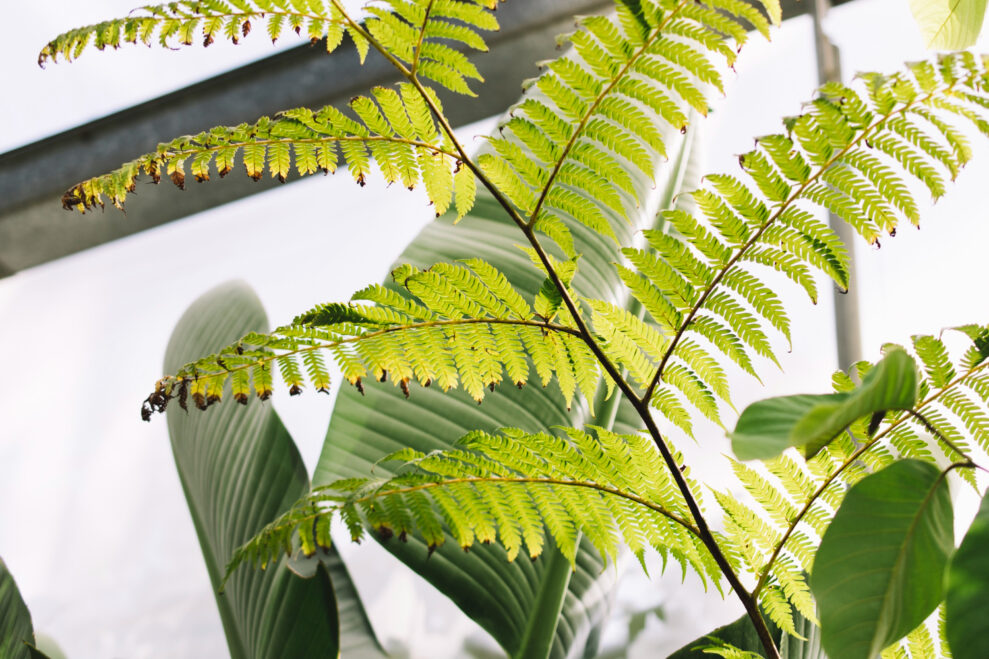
(566, 160)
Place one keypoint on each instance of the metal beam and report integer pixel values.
(847, 325)
(34, 229)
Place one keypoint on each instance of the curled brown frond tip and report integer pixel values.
(156, 402)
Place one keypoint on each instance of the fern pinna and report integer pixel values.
(566, 160)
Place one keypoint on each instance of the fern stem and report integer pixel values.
(422, 35)
(584, 331)
(317, 140)
(704, 533)
(969, 462)
(444, 123)
(540, 629)
(751, 242)
(641, 405)
(763, 578)
(578, 131)
(525, 227)
(359, 29)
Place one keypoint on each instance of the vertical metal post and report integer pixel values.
(846, 303)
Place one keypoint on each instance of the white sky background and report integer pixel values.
(93, 523)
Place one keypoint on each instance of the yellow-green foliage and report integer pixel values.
(416, 34)
(567, 160)
(392, 128)
(460, 325)
(395, 128)
(506, 488)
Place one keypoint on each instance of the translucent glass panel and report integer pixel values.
(36, 103)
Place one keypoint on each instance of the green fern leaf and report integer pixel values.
(505, 488)
(463, 325)
(387, 129)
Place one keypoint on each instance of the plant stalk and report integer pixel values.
(641, 404)
(540, 629)
(537, 640)
(704, 532)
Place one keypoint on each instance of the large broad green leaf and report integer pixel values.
(16, 632)
(500, 596)
(240, 469)
(768, 427)
(742, 635)
(967, 597)
(880, 569)
(949, 24)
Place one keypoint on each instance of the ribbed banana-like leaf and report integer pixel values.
(500, 596)
(742, 635)
(240, 469)
(16, 630)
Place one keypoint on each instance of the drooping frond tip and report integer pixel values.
(507, 488)
(182, 23)
(391, 128)
(425, 37)
(458, 325)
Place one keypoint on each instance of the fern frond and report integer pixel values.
(416, 34)
(594, 119)
(184, 22)
(701, 280)
(458, 325)
(504, 488)
(393, 130)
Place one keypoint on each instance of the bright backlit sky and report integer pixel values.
(92, 520)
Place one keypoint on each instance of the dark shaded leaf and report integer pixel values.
(880, 568)
(967, 596)
(16, 631)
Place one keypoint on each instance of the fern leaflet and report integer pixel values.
(593, 120)
(504, 488)
(392, 128)
(460, 325)
(845, 154)
(794, 502)
(416, 34)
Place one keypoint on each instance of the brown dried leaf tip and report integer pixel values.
(73, 198)
(156, 402)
